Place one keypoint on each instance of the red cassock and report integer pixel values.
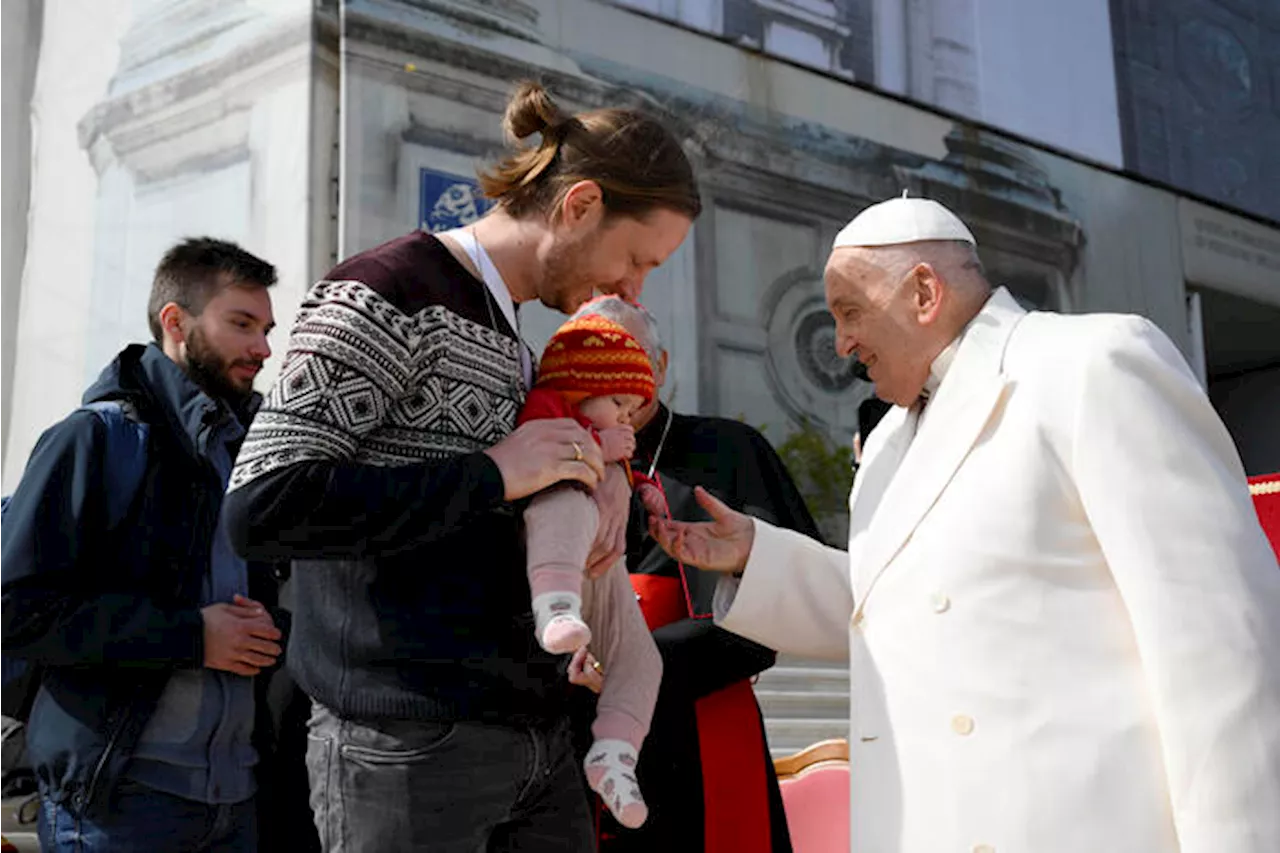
(728, 730)
(1266, 498)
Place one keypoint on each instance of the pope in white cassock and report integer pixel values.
(1061, 616)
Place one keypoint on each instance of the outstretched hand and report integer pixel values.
(720, 545)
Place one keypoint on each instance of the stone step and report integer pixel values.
(811, 663)
(804, 679)
(809, 704)
(18, 822)
(803, 702)
(792, 734)
(26, 842)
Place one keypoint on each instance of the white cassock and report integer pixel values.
(1061, 616)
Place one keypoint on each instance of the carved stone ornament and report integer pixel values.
(806, 375)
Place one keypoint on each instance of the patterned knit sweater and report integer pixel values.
(364, 467)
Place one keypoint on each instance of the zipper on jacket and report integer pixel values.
(86, 797)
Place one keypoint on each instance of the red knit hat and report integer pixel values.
(595, 356)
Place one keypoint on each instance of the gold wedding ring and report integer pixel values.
(577, 452)
(595, 664)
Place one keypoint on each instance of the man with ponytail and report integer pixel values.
(387, 465)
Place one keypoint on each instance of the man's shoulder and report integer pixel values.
(79, 431)
(718, 425)
(1067, 342)
(391, 251)
(397, 268)
(724, 432)
(411, 274)
(62, 453)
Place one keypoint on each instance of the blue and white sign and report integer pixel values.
(448, 201)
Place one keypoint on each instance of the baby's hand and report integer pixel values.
(617, 443)
(654, 502)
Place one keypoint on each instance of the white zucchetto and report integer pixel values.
(903, 220)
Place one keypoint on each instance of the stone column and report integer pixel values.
(942, 38)
(205, 130)
(22, 28)
(78, 52)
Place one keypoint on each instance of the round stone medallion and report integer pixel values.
(806, 375)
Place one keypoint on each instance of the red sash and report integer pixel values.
(729, 739)
(1266, 500)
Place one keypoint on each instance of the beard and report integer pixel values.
(566, 282)
(212, 373)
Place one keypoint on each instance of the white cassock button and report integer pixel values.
(941, 604)
(962, 725)
(983, 848)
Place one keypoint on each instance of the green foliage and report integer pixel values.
(821, 469)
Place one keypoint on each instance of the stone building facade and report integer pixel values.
(310, 131)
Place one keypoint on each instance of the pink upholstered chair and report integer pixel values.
(815, 794)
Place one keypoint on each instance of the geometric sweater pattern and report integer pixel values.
(364, 382)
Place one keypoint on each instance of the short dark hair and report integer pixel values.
(870, 411)
(198, 269)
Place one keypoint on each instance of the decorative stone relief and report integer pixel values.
(200, 127)
(510, 17)
(1214, 65)
(769, 314)
(805, 373)
(1199, 96)
(1006, 198)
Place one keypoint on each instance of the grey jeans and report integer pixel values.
(379, 787)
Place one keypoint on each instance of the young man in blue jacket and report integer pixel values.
(139, 622)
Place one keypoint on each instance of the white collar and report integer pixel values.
(488, 271)
(492, 279)
(942, 364)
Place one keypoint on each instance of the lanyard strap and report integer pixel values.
(498, 290)
(684, 575)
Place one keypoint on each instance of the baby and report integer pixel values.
(594, 371)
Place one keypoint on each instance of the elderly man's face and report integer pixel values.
(880, 318)
(639, 329)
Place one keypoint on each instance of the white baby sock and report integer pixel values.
(558, 622)
(611, 772)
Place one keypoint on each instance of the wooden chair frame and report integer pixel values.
(822, 753)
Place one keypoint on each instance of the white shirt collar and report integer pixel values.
(501, 293)
(941, 364)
